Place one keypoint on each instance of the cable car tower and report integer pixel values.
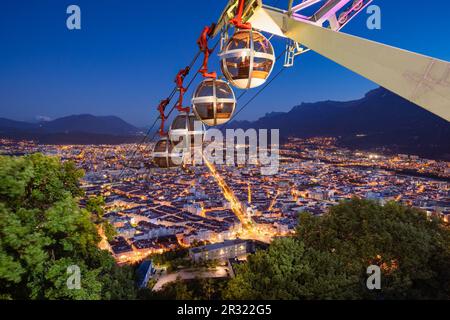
(420, 79)
(248, 58)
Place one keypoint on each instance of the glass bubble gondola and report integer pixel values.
(247, 59)
(214, 102)
(187, 130)
(166, 154)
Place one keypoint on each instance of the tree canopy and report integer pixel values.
(43, 231)
(329, 256)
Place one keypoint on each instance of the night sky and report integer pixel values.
(125, 58)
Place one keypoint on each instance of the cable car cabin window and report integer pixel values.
(171, 161)
(261, 68)
(223, 91)
(241, 40)
(236, 67)
(161, 146)
(205, 89)
(205, 110)
(261, 44)
(178, 139)
(224, 110)
(195, 125)
(179, 123)
(161, 162)
(243, 68)
(192, 123)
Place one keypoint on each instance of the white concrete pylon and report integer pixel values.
(420, 79)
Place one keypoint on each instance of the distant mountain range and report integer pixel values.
(77, 129)
(379, 120)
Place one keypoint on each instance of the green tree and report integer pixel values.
(177, 290)
(207, 288)
(289, 270)
(329, 256)
(95, 205)
(109, 229)
(193, 289)
(412, 249)
(43, 231)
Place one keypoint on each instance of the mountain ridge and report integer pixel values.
(380, 119)
(82, 123)
(74, 129)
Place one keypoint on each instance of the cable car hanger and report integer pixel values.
(179, 82)
(162, 108)
(203, 46)
(237, 20)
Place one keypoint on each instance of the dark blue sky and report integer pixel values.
(124, 59)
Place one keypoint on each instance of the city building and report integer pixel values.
(222, 251)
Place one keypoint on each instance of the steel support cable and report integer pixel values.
(243, 93)
(257, 93)
(172, 94)
(189, 84)
(240, 96)
(137, 147)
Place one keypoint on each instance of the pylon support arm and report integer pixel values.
(420, 79)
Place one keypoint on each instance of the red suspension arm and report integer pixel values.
(203, 45)
(161, 108)
(237, 20)
(179, 82)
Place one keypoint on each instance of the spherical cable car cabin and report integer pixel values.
(214, 102)
(166, 154)
(187, 130)
(247, 59)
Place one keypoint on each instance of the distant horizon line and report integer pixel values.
(42, 118)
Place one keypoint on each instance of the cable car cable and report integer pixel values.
(257, 93)
(188, 86)
(173, 107)
(190, 82)
(172, 94)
